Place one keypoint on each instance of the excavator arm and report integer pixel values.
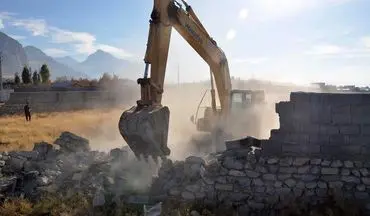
(145, 126)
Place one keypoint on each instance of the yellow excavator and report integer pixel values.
(145, 126)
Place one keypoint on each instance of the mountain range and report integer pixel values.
(15, 57)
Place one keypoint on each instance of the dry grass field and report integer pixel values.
(99, 126)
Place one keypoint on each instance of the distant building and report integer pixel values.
(318, 84)
(62, 84)
(8, 84)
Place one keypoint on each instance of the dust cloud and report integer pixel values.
(183, 138)
(183, 101)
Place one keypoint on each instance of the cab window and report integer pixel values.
(237, 98)
(237, 101)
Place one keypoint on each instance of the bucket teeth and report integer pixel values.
(146, 130)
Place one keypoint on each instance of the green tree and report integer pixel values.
(26, 75)
(45, 73)
(17, 80)
(35, 78)
(38, 78)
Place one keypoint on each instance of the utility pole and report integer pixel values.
(1, 73)
(178, 74)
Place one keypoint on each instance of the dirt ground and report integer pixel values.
(95, 125)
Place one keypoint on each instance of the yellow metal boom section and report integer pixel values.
(145, 126)
(167, 14)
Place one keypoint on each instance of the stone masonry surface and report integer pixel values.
(262, 184)
(51, 101)
(334, 126)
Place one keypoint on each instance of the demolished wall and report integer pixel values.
(69, 166)
(319, 150)
(325, 125)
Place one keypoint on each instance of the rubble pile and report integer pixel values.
(69, 166)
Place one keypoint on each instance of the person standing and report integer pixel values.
(27, 112)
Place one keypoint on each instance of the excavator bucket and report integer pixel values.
(146, 131)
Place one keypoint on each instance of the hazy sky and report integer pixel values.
(281, 40)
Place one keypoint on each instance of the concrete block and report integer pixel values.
(341, 151)
(360, 114)
(295, 126)
(339, 140)
(310, 128)
(317, 98)
(301, 116)
(284, 107)
(341, 119)
(365, 99)
(300, 97)
(302, 107)
(288, 125)
(345, 99)
(360, 119)
(296, 138)
(359, 140)
(321, 114)
(319, 138)
(278, 135)
(244, 143)
(360, 109)
(351, 149)
(270, 147)
(365, 129)
(365, 150)
(350, 129)
(330, 150)
(341, 110)
(301, 148)
(328, 129)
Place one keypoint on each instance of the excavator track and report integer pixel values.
(145, 131)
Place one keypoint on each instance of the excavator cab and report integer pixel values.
(243, 99)
(240, 102)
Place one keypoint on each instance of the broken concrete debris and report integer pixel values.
(70, 142)
(71, 167)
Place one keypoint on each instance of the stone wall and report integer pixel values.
(326, 125)
(5, 94)
(48, 101)
(320, 149)
(263, 184)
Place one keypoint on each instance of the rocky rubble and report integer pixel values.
(68, 166)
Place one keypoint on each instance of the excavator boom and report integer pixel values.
(145, 126)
